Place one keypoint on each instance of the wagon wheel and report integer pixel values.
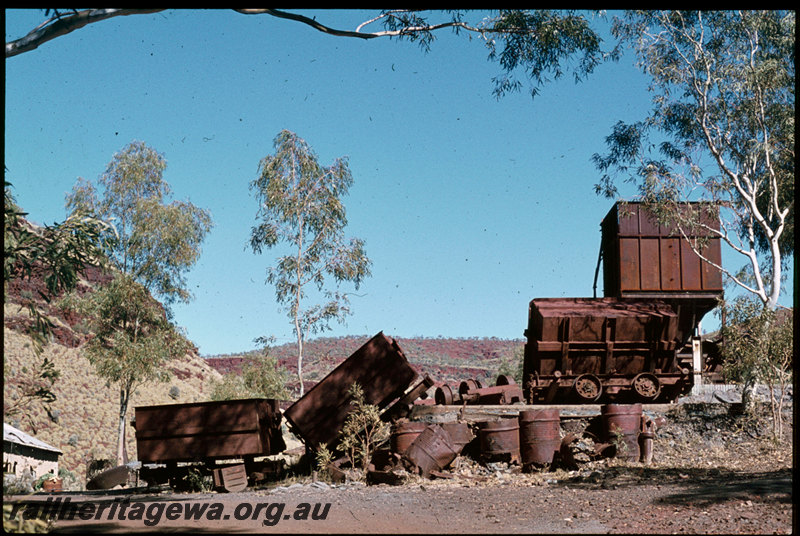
(444, 395)
(588, 387)
(468, 385)
(505, 379)
(647, 386)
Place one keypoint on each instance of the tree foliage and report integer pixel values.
(759, 348)
(721, 131)
(300, 205)
(58, 253)
(261, 377)
(155, 243)
(133, 338)
(537, 44)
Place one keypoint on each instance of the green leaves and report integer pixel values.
(133, 337)
(721, 129)
(300, 207)
(261, 377)
(154, 241)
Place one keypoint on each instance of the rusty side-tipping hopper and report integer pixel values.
(208, 430)
(379, 367)
(585, 349)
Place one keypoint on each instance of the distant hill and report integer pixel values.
(443, 359)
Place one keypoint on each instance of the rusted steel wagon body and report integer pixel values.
(645, 260)
(205, 433)
(624, 346)
(583, 350)
(379, 367)
(208, 430)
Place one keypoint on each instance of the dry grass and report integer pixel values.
(86, 407)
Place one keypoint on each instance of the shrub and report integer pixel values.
(363, 429)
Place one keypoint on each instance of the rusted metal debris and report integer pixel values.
(539, 436)
(403, 435)
(402, 407)
(460, 434)
(621, 423)
(505, 391)
(497, 395)
(208, 430)
(499, 440)
(432, 450)
(379, 367)
(447, 395)
(425, 449)
(231, 478)
(116, 476)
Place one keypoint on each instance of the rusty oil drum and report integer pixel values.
(404, 433)
(460, 434)
(624, 420)
(539, 436)
(499, 439)
(432, 450)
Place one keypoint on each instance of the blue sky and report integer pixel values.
(469, 206)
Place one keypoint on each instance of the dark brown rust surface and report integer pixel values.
(539, 436)
(116, 476)
(403, 407)
(641, 256)
(621, 425)
(432, 450)
(584, 350)
(497, 395)
(379, 367)
(231, 478)
(404, 433)
(499, 440)
(208, 430)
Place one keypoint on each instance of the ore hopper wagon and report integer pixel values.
(625, 346)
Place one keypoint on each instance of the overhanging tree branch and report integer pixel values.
(62, 25)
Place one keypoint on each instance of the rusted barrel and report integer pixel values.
(430, 451)
(621, 424)
(499, 440)
(539, 435)
(403, 434)
(460, 434)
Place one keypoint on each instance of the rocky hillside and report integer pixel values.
(443, 359)
(84, 417)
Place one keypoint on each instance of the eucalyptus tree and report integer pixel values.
(721, 132)
(155, 242)
(152, 247)
(300, 206)
(133, 340)
(58, 254)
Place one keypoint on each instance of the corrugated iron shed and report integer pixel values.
(18, 437)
